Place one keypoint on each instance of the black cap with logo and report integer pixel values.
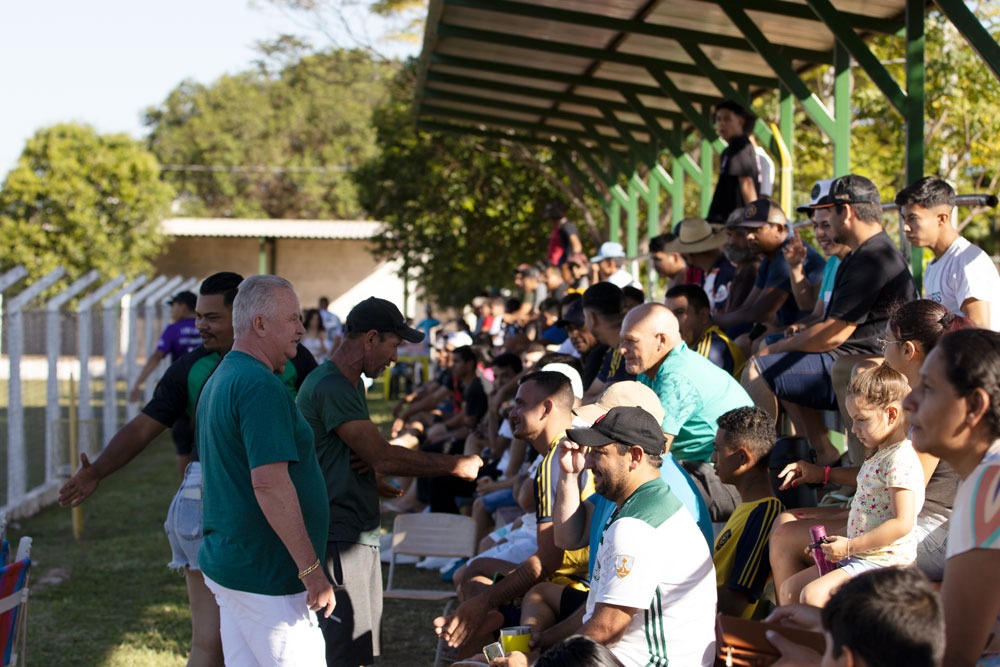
(374, 314)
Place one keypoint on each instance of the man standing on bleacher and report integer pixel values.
(332, 399)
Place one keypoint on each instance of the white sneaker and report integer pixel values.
(385, 552)
(434, 562)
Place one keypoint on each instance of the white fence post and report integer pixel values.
(85, 332)
(131, 368)
(152, 334)
(6, 281)
(53, 345)
(112, 328)
(17, 460)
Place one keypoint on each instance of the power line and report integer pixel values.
(255, 169)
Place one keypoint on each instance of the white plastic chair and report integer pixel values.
(433, 534)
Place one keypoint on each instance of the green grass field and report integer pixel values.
(109, 600)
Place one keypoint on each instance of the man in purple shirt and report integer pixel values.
(179, 338)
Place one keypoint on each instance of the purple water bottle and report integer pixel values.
(818, 534)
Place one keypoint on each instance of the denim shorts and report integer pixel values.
(803, 378)
(496, 499)
(183, 524)
(855, 566)
(931, 532)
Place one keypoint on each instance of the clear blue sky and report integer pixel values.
(102, 62)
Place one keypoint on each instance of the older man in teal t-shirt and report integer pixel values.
(694, 392)
(265, 505)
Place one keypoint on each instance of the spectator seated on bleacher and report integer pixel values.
(882, 618)
(690, 306)
(556, 612)
(880, 525)
(542, 413)
(742, 566)
(693, 391)
(770, 305)
(872, 280)
(700, 245)
(603, 310)
(961, 276)
(911, 333)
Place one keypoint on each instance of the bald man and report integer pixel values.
(694, 392)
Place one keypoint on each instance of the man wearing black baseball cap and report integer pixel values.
(771, 296)
(375, 314)
(666, 591)
(332, 399)
(808, 372)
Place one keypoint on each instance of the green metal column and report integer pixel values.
(614, 209)
(653, 206)
(915, 112)
(786, 130)
(707, 171)
(841, 110)
(677, 194)
(636, 189)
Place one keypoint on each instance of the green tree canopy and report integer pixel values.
(274, 142)
(461, 211)
(84, 201)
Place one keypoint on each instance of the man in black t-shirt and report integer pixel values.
(739, 177)
(174, 398)
(871, 281)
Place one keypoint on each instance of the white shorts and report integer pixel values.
(268, 630)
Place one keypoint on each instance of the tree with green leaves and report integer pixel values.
(82, 200)
(278, 141)
(461, 211)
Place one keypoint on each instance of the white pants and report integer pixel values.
(268, 630)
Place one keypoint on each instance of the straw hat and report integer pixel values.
(695, 235)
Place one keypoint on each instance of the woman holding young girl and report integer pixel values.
(890, 491)
(911, 333)
(954, 414)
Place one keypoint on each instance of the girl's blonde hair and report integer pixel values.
(879, 387)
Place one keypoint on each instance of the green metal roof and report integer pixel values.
(615, 72)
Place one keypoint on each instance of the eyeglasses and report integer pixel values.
(885, 342)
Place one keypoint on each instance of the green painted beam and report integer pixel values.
(567, 80)
(812, 104)
(630, 26)
(438, 80)
(859, 50)
(652, 229)
(973, 31)
(632, 215)
(705, 184)
(725, 88)
(545, 46)
(915, 149)
(569, 165)
(493, 121)
(682, 100)
(677, 196)
(600, 171)
(636, 150)
(662, 134)
(841, 111)
(614, 157)
(795, 10)
(434, 126)
(652, 122)
(786, 126)
(614, 209)
(546, 112)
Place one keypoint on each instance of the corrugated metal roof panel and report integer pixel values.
(290, 229)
